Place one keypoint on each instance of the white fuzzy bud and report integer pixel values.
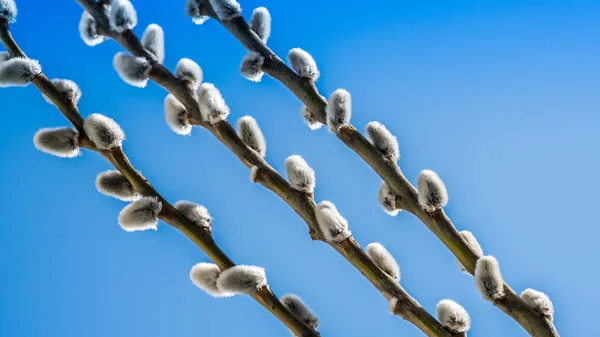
(539, 302)
(303, 64)
(176, 116)
(154, 40)
(489, 279)
(114, 184)
(61, 142)
(226, 9)
(8, 10)
(388, 199)
(18, 71)
(383, 140)
(383, 259)
(195, 10)
(432, 191)
(133, 70)
(140, 215)
(188, 70)
(472, 241)
(67, 88)
(300, 309)
(301, 176)
(249, 132)
(453, 316)
(198, 214)
(333, 225)
(122, 15)
(204, 276)
(260, 23)
(88, 30)
(338, 110)
(103, 131)
(251, 67)
(212, 105)
(242, 279)
(310, 119)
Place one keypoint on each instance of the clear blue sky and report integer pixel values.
(501, 98)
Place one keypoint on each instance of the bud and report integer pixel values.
(539, 302)
(133, 70)
(198, 214)
(388, 199)
(432, 191)
(453, 316)
(212, 105)
(18, 71)
(226, 9)
(114, 184)
(204, 276)
(67, 88)
(188, 70)
(383, 140)
(176, 116)
(332, 223)
(301, 176)
(472, 241)
(489, 279)
(260, 23)
(103, 131)
(249, 131)
(302, 311)
(339, 110)
(89, 31)
(303, 64)
(242, 279)
(154, 41)
(122, 16)
(61, 142)
(384, 260)
(140, 215)
(251, 67)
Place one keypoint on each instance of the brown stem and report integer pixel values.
(201, 236)
(302, 204)
(535, 324)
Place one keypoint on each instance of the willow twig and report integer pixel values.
(201, 236)
(438, 222)
(302, 203)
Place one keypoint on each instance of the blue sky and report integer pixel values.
(499, 97)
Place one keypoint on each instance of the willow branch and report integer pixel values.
(303, 204)
(201, 236)
(440, 224)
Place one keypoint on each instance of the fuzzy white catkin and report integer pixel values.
(338, 110)
(103, 131)
(140, 215)
(300, 309)
(8, 10)
(383, 259)
(260, 23)
(67, 88)
(226, 9)
(114, 184)
(300, 174)
(489, 278)
(61, 142)
(133, 70)
(188, 70)
(18, 71)
(333, 225)
(388, 199)
(472, 241)
(383, 140)
(89, 31)
(453, 316)
(212, 105)
(242, 279)
(197, 214)
(154, 40)
(176, 116)
(204, 276)
(194, 9)
(303, 64)
(309, 119)
(122, 15)
(251, 67)
(539, 302)
(250, 133)
(432, 191)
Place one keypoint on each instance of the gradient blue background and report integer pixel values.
(501, 98)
